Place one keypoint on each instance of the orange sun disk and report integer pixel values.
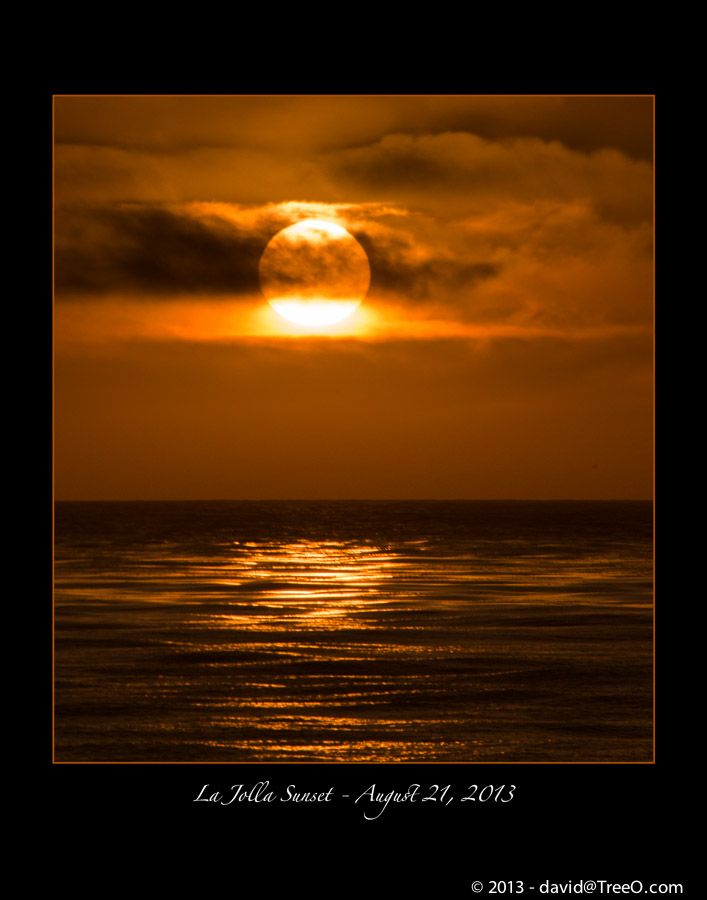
(314, 273)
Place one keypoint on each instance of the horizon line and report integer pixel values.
(357, 500)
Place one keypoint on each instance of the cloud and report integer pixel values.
(166, 251)
(511, 231)
(504, 348)
(157, 250)
(541, 266)
(409, 264)
(454, 174)
(323, 123)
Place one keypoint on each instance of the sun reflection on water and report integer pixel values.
(308, 582)
(231, 633)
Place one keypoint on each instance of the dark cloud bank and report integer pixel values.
(164, 252)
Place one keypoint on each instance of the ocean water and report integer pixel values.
(382, 631)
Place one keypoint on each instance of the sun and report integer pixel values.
(314, 273)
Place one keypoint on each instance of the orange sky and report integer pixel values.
(504, 349)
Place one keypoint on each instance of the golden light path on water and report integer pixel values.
(378, 648)
(306, 581)
(306, 590)
(330, 622)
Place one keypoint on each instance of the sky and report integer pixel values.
(504, 347)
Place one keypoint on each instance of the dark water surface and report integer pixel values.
(353, 631)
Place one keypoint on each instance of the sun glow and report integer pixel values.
(314, 312)
(314, 273)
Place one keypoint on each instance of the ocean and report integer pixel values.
(353, 632)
